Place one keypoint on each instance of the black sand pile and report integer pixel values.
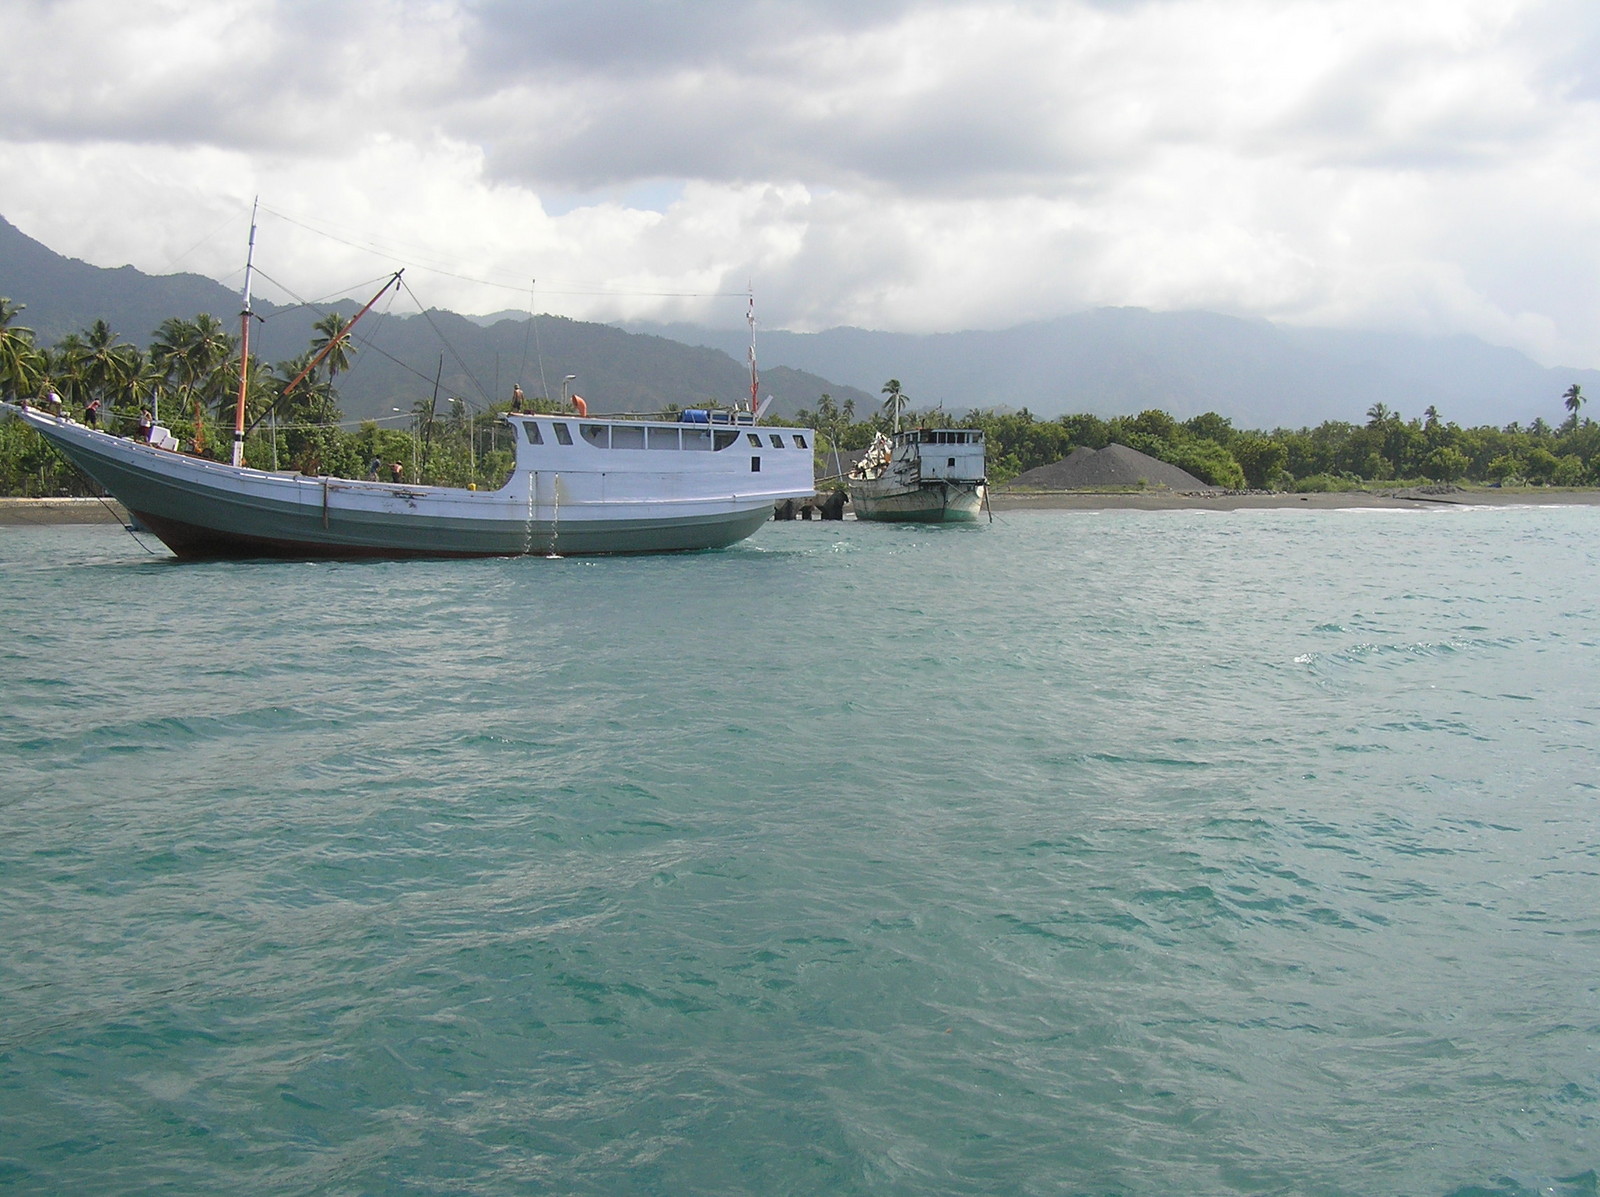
(1111, 468)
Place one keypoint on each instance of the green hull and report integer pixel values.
(204, 509)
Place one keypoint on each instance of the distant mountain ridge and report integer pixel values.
(398, 357)
(1119, 361)
(1110, 361)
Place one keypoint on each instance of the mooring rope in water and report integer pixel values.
(126, 527)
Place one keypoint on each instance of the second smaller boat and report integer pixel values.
(921, 475)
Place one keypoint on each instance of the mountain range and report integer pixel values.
(1119, 361)
(1109, 361)
(401, 359)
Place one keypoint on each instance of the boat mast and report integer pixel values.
(344, 335)
(244, 342)
(755, 380)
(326, 349)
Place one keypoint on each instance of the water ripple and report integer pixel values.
(1132, 853)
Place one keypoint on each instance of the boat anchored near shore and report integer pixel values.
(921, 475)
(580, 485)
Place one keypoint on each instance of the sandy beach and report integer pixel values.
(1403, 499)
(31, 512)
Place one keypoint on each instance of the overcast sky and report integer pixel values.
(1419, 165)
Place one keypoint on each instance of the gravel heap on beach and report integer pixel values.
(1113, 467)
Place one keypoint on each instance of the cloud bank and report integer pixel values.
(916, 167)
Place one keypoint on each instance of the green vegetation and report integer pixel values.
(189, 379)
(1385, 451)
(191, 370)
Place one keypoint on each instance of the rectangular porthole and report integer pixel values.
(755, 465)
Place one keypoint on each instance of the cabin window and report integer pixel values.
(799, 441)
(627, 436)
(755, 465)
(697, 438)
(535, 437)
(950, 462)
(563, 436)
(595, 434)
(661, 438)
(777, 441)
(724, 439)
(755, 441)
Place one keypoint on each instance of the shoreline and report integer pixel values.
(1399, 499)
(27, 513)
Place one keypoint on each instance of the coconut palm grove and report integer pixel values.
(188, 379)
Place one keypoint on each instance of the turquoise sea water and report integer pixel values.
(1086, 853)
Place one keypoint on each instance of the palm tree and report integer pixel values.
(311, 401)
(1378, 414)
(306, 415)
(195, 356)
(334, 330)
(1574, 400)
(21, 362)
(896, 401)
(66, 367)
(150, 381)
(829, 419)
(107, 366)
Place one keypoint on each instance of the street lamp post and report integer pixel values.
(564, 381)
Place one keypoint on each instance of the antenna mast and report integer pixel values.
(755, 380)
(244, 341)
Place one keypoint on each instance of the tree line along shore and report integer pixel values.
(189, 376)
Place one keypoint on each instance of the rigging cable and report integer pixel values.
(419, 261)
(443, 340)
(533, 285)
(538, 345)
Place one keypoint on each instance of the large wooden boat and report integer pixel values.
(580, 485)
(921, 475)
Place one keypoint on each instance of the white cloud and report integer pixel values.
(972, 163)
